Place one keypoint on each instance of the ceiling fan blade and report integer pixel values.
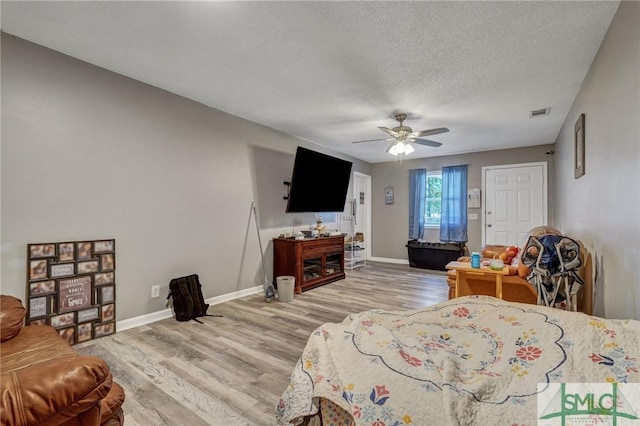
(390, 131)
(374, 140)
(429, 132)
(427, 142)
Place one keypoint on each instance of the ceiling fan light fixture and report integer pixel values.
(395, 149)
(400, 148)
(403, 136)
(392, 149)
(408, 149)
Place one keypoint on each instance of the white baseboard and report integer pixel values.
(143, 319)
(390, 260)
(234, 295)
(405, 262)
(166, 313)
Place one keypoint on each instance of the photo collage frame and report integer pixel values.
(71, 286)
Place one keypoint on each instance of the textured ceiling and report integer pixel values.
(332, 72)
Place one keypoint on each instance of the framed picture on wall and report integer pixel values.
(83, 250)
(42, 250)
(90, 314)
(83, 332)
(42, 287)
(38, 307)
(103, 246)
(62, 320)
(107, 262)
(70, 285)
(63, 270)
(105, 278)
(74, 294)
(87, 267)
(388, 195)
(108, 312)
(104, 329)
(68, 334)
(37, 269)
(66, 252)
(39, 321)
(578, 135)
(107, 294)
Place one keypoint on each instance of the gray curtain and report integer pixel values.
(417, 196)
(453, 219)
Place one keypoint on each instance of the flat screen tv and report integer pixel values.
(319, 183)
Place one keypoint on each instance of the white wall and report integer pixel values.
(89, 154)
(602, 208)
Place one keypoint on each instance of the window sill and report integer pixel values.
(432, 227)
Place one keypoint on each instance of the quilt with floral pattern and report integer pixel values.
(469, 361)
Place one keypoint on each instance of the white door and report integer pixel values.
(515, 201)
(362, 217)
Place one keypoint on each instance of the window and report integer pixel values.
(433, 200)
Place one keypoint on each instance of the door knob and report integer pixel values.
(489, 226)
(488, 212)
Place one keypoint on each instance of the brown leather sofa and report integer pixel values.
(45, 382)
(515, 287)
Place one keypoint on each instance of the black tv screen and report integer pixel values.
(319, 183)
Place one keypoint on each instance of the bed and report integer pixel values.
(474, 360)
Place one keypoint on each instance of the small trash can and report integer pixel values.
(286, 285)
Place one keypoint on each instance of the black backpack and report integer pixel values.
(188, 302)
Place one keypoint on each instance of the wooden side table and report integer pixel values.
(464, 268)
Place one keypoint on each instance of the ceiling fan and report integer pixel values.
(402, 135)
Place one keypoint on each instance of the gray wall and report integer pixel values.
(390, 222)
(89, 154)
(602, 208)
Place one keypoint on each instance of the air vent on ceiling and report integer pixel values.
(539, 112)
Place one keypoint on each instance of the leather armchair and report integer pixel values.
(45, 382)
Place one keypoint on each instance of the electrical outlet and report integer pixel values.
(155, 291)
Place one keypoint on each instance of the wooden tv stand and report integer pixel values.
(312, 261)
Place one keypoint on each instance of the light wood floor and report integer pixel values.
(232, 370)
